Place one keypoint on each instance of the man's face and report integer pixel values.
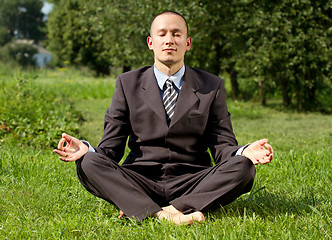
(169, 40)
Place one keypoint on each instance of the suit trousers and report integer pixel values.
(140, 197)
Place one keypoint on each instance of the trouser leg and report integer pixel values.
(134, 194)
(213, 187)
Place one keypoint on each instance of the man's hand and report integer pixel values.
(259, 152)
(73, 150)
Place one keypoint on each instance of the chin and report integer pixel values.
(168, 61)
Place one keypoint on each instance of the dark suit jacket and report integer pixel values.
(200, 121)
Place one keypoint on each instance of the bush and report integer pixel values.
(4, 36)
(21, 53)
(34, 115)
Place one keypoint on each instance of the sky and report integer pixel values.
(47, 8)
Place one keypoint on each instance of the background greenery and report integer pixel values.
(269, 49)
(276, 53)
(41, 197)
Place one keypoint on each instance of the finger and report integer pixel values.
(67, 159)
(265, 160)
(269, 147)
(61, 153)
(254, 160)
(60, 144)
(267, 153)
(261, 153)
(64, 159)
(271, 157)
(67, 137)
(263, 141)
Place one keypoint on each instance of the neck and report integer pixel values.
(169, 70)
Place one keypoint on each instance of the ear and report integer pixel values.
(189, 42)
(149, 42)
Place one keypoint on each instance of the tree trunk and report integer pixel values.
(234, 83)
(299, 99)
(285, 92)
(309, 99)
(312, 96)
(217, 63)
(103, 70)
(262, 92)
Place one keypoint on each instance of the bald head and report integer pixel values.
(169, 13)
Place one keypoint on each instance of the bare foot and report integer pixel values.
(178, 218)
(121, 215)
(172, 210)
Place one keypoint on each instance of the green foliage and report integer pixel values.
(278, 48)
(21, 19)
(20, 53)
(34, 115)
(288, 47)
(4, 36)
(89, 33)
(104, 34)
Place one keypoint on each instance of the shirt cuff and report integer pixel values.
(91, 149)
(240, 150)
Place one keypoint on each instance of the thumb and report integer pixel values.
(263, 141)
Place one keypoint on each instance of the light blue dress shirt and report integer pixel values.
(177, 79)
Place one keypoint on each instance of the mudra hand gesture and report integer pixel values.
(259, 152)
(70, 148)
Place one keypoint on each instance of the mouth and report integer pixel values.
(169, 50)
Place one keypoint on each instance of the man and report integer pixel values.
(168, 173)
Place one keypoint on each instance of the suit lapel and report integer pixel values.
(151, 94)
(187, 97)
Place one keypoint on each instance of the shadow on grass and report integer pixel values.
(267, 204)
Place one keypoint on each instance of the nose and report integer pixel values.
(169, 40)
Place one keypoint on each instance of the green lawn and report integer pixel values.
(41, 197)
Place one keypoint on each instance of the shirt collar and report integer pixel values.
(177, 78)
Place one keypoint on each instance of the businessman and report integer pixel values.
(173, 115)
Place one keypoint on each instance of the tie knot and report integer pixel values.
(168, 83)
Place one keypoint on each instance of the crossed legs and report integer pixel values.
(188, 195)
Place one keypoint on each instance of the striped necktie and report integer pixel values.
(169, 99)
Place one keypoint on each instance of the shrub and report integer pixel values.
(21, 53)
(34, 115)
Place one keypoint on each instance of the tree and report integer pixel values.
(217, 45)
(271, 48)
(290, 46)
(103, 33)
(21, 19)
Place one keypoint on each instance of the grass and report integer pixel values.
(41, 197)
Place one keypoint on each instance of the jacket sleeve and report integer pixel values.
(221, 139)
(116, 126)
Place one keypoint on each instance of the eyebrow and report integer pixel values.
(173, 30)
